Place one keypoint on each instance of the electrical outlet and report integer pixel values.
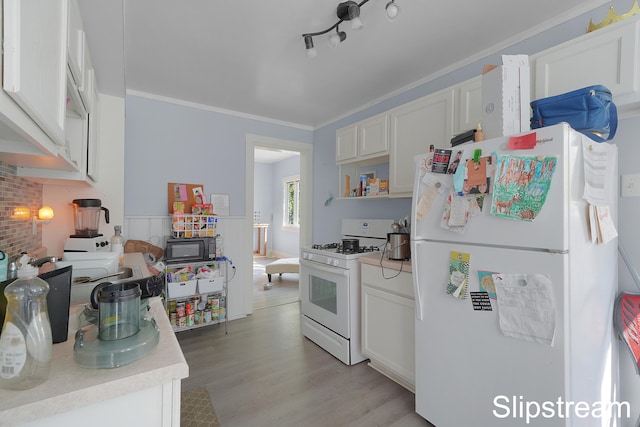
(630, 185)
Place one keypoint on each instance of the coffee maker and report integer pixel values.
(86, 222)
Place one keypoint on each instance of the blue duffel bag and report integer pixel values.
(589, 110)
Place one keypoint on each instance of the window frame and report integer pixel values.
(286, 181)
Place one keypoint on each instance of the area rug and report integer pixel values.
(196, 409)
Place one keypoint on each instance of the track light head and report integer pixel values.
(393, 10)
(311, 51)
(338, 37)
(350, 11)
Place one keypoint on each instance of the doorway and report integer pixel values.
(275, 146)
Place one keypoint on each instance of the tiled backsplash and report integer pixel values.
(15, 234)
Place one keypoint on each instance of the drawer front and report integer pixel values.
(387, 279)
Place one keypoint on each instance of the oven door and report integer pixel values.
(325, 295)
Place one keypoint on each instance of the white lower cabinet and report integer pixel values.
(388, 316)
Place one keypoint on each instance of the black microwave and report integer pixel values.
(190, 250)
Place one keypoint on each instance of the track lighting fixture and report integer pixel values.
(347, 11)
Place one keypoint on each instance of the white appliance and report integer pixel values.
(467, 371)
(330, 288)
(87, 244)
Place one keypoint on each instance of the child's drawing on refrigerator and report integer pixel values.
(521, 185)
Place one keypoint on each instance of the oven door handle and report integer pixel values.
(322, 267)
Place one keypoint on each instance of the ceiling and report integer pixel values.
(266, 155)
(249, 56)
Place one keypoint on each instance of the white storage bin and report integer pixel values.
(206, 286)
(182, 289)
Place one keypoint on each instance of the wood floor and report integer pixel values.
(265, 373)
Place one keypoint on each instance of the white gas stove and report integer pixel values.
(330, 287)
(371, 235)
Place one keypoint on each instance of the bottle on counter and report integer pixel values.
(479, 135)
(26, 341)
(117, 244)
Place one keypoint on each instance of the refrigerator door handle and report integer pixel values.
(416, 280)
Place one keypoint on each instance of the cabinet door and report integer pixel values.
(388, 331)
(93, 133)
(373, 137)
(607, 56)
(35, 60)
(414, 127)
(86, 89)
(468, 105)
(76, 43)
(346, 143)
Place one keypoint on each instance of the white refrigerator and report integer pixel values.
(492, 359)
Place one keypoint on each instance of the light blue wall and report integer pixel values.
(166, 142)
(262, 192)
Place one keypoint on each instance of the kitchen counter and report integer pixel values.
(148, 388)
(374, 259)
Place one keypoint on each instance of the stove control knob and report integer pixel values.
(308, 256)
(335, 262)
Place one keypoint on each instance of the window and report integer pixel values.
(291, 209)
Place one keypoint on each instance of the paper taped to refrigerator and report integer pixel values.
(599, 166)
(457, 285)
(525, 306)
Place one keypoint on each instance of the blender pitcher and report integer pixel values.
(87, 217)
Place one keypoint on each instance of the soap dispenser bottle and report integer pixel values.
(26, 341)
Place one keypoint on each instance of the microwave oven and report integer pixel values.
(190, 250)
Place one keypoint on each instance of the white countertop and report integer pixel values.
(71, 386)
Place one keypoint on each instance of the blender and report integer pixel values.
(120, 333)
(86, 222)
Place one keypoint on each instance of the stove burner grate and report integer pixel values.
(337, 248)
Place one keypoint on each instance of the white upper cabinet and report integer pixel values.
(373, 138)
(93, 136)
(76, 44)
(74, 159)
(413, 128)
(468, 105)
(347, 143)
(363, 140)
(34, 62)
(608, 56)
